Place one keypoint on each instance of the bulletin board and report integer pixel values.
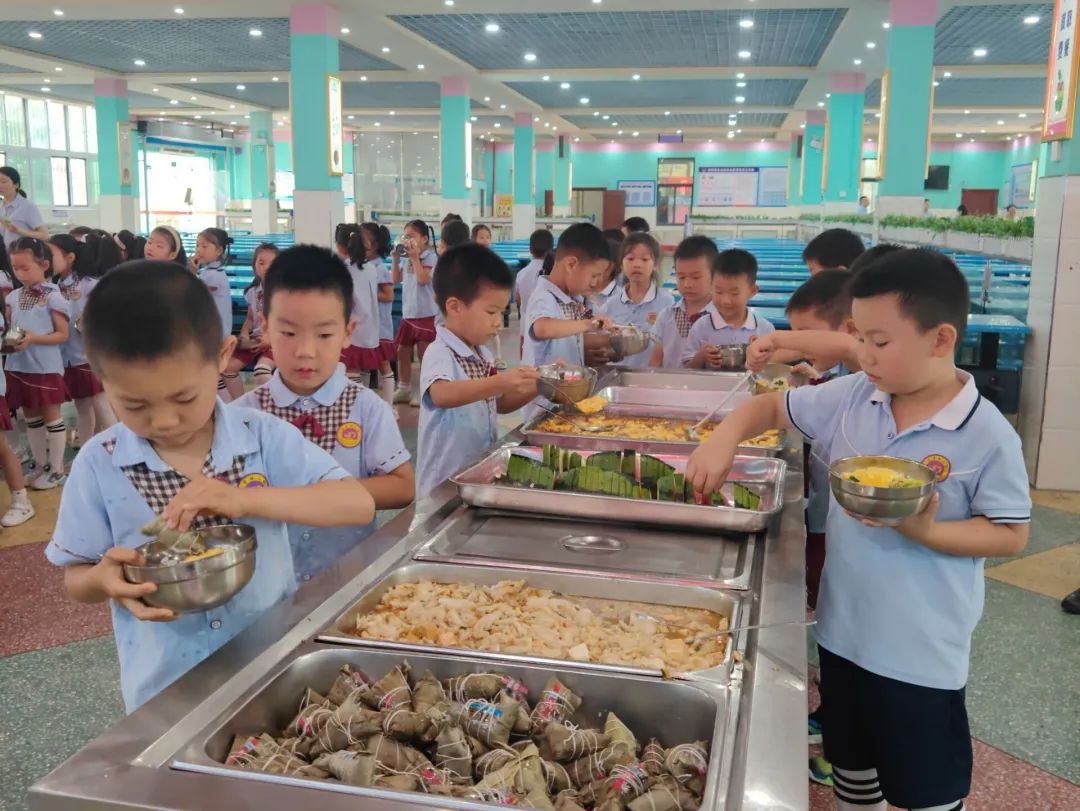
(730, 186)
(1020, 185)
(639, 193)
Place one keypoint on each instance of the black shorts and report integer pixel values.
(916, 737)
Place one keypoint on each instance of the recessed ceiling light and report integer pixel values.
(420, 66)
(744, 54)
(173, 101)
(232, 106)
(982, 132)
(614, 123)
(565, 85)
(746, 23)
(536, 119)
(502, 106)
(857, 61)
(871, 45)
(710, 140)
(448, 3)
(936, 83)
(386, 49)
(198, 116)
(583, 100)
(1031, 20)
(635, 133)
(345, 31)
(1000, 123)
(59, 12)
(972, 140)
(139, 63)
(947, 74)
(46, 90)
(959, 135)
(678, 132)
(740, 84)
(255, 32)
(620, 132)
(248, 116)
(740, 75)
(194, 98)
(802, 126)
(576, 140)
(416, 133)
(47, 81)
(241, 87)
(740, 99)
(363, 78)
(1022, 115)
(496, 125)
(178, 10)
(636, 77)
(487, 98)
(731, 134)
(34, 34)
(605, 117)
(530, 56)
(378, 123)
(979, 53)
(886, 25)
(667, 112)
(596, 112)
(492, 28)
(821, 104)
(232, 123)
(967, 112)
(58, 69)
(193, 79)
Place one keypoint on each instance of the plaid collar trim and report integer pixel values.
(319, 425)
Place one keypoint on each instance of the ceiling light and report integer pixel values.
(1001, 123)
(35, 35)
(386, 49)
(545, 78)
(393, 112)
(241, 87)
(620, 132)
(967, 112)
(154, 89)
(254, 32)
(802, 126)
(821, 104)
(530, 56)
(636, 77)
(178, 10)
(448, 3)
(710, 140)
(576, 140)
(982, 132)
(635, 133)
(936, 83)
(194, 98)
(420, 66)
(583, 100)
(139, 63)
(47, 81)
(740, 84)
(487, 98)
(667, 112)
(378, 123)
(363, 78)
(350, 117)
(173, 101)
(232, 106)
(979, 53)
(193, 79)
(596, 112)
(959, 135)
(740, 75)
(198, 116)
(747, 23)
(740, 99)
(1022, 115)
(536, 119)
(886, 25)
(416, 133)
(871, 45)
(59, 12)
(492, 28)
(547, 124)
(472, 118)
(614, 123)
(275, 79)
(857, 61)
(731, 134)
(496, 125)
(1034, 18)
(58, 69)
(828, 95)
(744, 54)
(232, 123)
(502, 106)
(605, 117)
(877, 115)
(345, 31)
(46, 90)
(678, 132)
(947, 74)
(565, 85)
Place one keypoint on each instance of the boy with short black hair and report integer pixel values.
(694, 260)
(154, 338)
(832, 248)
(734, 283)
(899, 604)
(634, 225)
(307, 307)
(461, 391)
(454, 233)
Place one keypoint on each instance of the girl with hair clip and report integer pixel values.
(363, 355)
(253, 346)
(164, 244)
(35, 370)
(75, 272)
(211, 256)
(414, 269)
(640, 299)
(378, 238)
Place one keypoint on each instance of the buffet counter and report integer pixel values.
(750, 709)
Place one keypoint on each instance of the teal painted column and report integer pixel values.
(813, 159)
(261, 156)
(907, 107)
(564, 178)
(524, 220)
(794, 172)
(454, 143)
(844, 128)
(118, 190)
(319, 204)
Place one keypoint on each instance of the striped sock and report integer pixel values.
(35, 434)
(947, 807)
(262, 374)
(55, 443)
(857, 790)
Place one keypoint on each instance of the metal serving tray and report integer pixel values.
(673, 712)
(765, 477)
(685, 379)
(661, 594)
(551, 543)
(594, 442)
(699, 401)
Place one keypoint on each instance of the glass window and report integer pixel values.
(14, 121)
(92, 184)
(59, 177)
(38, 120)
(20, 163)
(91, 130)
(77, 177)
(41, 182)
(57, 126)
(76, 122)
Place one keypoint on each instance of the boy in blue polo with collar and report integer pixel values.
(307, 307)
(898, 605)
(462, 391)
(154, 339)
(734, 283)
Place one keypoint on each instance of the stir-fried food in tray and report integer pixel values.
(512, 617)
(652, 429)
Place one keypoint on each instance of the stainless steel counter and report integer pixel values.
(129, 766)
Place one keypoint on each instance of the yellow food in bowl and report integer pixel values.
(209, 553)
(592, 405)
(880, 477)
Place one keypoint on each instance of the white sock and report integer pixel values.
(35, 434)
(262, 374)
(55, 443)
(103, 414)
(386, 386)
(19, 497)
(84, 407)
(857, 790)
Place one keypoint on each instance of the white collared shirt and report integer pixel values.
(22, 213)
(718, 332)
(642, 314)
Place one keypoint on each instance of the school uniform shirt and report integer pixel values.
(718, 332)
(118, 484)
(526, 282)
(818, 495)
(32, 309)
(356, 427)
(671, 330)
(603, 296)
(6, 284)
(76, 292)
(386, 308)
(365, 304)
(22, 213)
(451, 438)
(548, 301)
(254, 297)
(417, 300)
(643, 315)
(217, 282)
(888, 604)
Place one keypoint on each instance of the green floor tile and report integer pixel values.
(57, 700)
(1049, 530)
(1024, 689)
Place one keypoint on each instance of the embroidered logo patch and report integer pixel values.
(652, 317)
(939, 464)
(254, 480)
(349, 435)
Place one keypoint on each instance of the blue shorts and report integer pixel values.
(916, 737)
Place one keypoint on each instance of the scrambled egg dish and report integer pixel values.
(881, 477)
(652, 429)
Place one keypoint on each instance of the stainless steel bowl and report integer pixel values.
(765, 380)
(889, 505)
(732, 357)
(554, 385)
(202, 584)
(629, 340)
(13, 335)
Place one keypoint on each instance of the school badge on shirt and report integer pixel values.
(254, 480)
(652, 317)
(939, 464)
(349, 435)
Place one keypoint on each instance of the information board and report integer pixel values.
(772, 186)
(639, 193)
(1061, 73)
(741, 186)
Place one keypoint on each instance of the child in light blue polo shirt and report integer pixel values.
(640, 300)
(462, 390)
(154, 338)
(734, 283)
(309, 307)
(694, 260)
(898, 605)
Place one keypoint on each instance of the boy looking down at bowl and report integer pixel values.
(307, 310)
(898, 605)
(462, 392)
(734, 283)
(154, 338)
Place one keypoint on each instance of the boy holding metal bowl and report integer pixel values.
(898, 604)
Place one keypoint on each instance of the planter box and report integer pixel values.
(911, 236)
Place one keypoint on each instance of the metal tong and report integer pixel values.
(692, 432)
